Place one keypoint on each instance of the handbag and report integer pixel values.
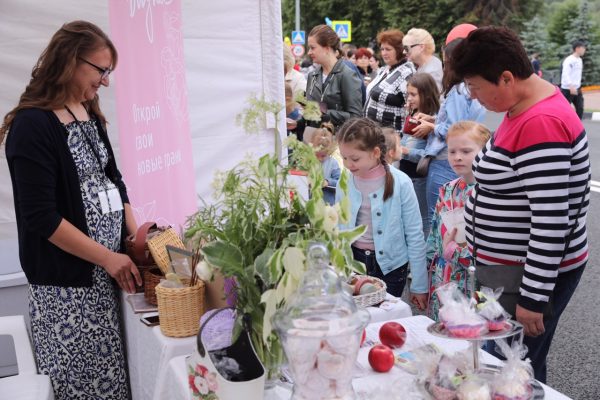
(208, 381)
(510, 276)
(423, 166)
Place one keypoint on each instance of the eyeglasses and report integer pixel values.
(104, 72)
(407, 48)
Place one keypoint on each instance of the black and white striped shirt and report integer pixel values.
(531, 178)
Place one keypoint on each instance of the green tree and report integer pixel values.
(502, 12)
(535, 36)
(582, 28)
(560, 21)
(436, 16)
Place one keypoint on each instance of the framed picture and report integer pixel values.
(180, 260)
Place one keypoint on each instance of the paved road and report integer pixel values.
(574, 359)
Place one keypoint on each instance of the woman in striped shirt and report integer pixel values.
(532, 178)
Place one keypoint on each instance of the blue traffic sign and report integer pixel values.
(298, 37)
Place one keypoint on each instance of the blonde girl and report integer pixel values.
(446, 245)
(383, 199)
(323, 142)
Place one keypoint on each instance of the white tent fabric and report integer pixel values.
(233, 48)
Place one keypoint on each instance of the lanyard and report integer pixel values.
(96, 155)
(87, 139)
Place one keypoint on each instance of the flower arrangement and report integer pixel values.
(203, 383)
(257, 232)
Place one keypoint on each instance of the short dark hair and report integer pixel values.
(393, 37)
(578, 43)
(489, 51)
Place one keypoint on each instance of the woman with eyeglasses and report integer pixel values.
(456, 105)
(72, 214)
(419, 48)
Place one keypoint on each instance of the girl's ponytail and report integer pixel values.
(388, 190)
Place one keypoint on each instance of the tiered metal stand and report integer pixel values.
(512, 328)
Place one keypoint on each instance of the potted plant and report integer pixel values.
(257, 232)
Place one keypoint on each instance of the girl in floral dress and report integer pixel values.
(446, 245)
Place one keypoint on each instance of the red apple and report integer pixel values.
(381, 358)
(392, 334)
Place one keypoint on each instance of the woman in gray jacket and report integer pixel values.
(333, 85)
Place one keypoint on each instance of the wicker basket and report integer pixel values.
(370, 299)
(152, 278)
(158, 248)
(180, 309)
(136, 245)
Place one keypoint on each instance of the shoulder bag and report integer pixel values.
(510, 276)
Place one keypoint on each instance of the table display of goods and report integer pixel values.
(478, 319)
(453, 377)
(366, 290)
(321, 331)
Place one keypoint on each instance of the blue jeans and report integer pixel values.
(539, 346)
(439, 173)
(395, 280)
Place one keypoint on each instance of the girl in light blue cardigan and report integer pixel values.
(383, 199)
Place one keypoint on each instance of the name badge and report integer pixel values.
(110, 200)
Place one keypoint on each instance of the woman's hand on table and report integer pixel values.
(122, 269)
(419, 300)
(533, 322)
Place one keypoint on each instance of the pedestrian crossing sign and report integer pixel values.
(298, 37)
(343, 30)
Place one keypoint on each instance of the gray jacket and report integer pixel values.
(341, 92)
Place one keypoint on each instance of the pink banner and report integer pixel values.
(154, 133)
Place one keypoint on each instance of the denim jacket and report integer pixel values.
(457, 106)
(397, 228)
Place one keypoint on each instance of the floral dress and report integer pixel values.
(453, 268)
(76, 330)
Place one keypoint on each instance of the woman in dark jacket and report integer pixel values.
(333, 85)
(72, 211)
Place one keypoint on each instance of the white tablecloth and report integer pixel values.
(368, 384)
(391, 308)
(149, 353)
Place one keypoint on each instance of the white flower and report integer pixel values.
(204, 271)
(330, 223)
(201, 384)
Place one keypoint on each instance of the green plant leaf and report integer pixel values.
(350, 235)
(293, 262)
(224, 256)
(270, 300)
(261, 266)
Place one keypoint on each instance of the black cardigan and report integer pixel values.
(46, 189)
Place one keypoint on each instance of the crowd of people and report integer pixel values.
(408, 131)
(419, 155)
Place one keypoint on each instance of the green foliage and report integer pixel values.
(582, 28)
(535, 37)
(436, 16)
(560, 21)
(258, 231)
(254, 118)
